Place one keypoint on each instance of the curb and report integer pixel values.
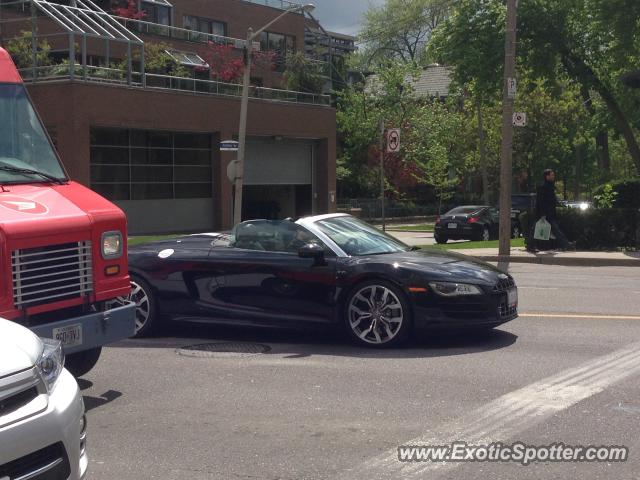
(567, 262)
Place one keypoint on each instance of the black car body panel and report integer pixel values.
(467, 225)
(202, 278)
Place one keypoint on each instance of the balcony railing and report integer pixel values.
(177, 33)
(93, 74)
(279, 4)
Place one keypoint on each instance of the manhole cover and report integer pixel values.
(222, 350)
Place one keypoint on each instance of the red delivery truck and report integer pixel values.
(63, 247)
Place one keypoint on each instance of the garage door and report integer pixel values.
(278, 163)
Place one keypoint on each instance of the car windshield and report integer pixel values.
(463, 210)
(357, 238)
(23, 142)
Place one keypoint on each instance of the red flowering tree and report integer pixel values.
(227, 65)
(130, 11)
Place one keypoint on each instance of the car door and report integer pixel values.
(262, 280)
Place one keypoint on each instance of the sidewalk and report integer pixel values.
(575, 259)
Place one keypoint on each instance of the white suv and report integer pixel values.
(42, 421)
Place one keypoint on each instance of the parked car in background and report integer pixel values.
(318, 271)
(42, 420)
(469, 222)
(582, 206)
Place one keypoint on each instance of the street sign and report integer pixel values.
(232, 170)
(229, 146)
(519, 119)
(512, 87)
(393, 140)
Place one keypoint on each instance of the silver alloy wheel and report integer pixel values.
(516, 232)
(143, 306)
(486, 236)
(375, 314)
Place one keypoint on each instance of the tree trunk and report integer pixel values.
(602, 137)
(578, 68)
(483, 153)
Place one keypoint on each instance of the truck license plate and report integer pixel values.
(512, 297)
(69, 336)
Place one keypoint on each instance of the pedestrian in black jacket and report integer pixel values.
(546, 203)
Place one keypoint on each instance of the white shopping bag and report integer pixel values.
(542, 230)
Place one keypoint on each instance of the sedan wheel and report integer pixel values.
(486, 235)
(516, 232)
(142, 296)
(377, 315)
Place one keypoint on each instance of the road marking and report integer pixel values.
(508, 415)
(580, 315)
(524, 287)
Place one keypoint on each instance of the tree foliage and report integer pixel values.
(400, 30)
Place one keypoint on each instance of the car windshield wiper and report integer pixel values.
(28, 171)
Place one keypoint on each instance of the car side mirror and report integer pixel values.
(312, 250)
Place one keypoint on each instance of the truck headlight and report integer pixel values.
(447, 289)
(51, 362)
(111, 245)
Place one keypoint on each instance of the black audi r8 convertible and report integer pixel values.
(316, 271)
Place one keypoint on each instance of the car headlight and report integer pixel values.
(51, 362)
(111, 245)
(448, 289)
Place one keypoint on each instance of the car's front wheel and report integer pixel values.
(377, 314)
(142, 295)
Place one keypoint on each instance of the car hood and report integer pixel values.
(19, 348)
(444, 265)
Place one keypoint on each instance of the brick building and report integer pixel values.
(147, 138)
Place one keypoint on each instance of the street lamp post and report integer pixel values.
(244, 105)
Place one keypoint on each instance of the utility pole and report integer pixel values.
(384, 221)
(506, 169)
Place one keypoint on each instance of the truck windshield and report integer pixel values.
(26, 155)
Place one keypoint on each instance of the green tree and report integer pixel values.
(302, 74)
(400, 30)
(21, 50)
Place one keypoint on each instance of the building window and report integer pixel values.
(158, 11)
(204, 25)
(131, 164)
(280, 44)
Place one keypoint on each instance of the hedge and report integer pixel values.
(628, 192)
(596, 229)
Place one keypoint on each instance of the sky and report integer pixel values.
(342, 16)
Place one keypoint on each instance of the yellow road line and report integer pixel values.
(581, 315)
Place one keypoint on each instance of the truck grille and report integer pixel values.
(48, 274)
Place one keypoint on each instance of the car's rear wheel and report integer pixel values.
(515, 231)
(439, 239)
(377, 314)
(485, 235)
(142, 295)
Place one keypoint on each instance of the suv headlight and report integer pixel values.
(448, 289)
(111, 245)
(51, 362)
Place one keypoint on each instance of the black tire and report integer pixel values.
(393, 323)
(147, 321)
(81, 363)
(484, 234)
(440, 240)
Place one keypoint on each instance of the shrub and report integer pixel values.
(597, 229)
(627, 192)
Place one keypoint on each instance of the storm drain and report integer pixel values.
(223, 350)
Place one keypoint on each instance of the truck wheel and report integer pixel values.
(81, 363)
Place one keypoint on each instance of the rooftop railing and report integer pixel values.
(94, 74)
(279, 4)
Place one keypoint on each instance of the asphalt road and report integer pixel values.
(314, 407)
